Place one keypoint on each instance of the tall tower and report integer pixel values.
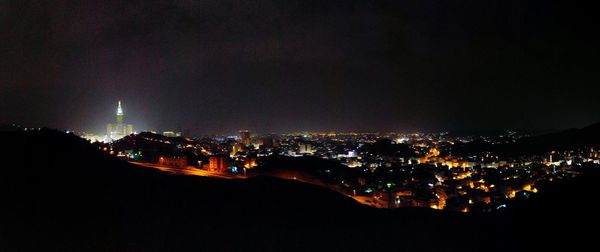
(119, 114)
(119, 129)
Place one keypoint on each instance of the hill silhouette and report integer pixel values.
(564, 140)
(60, 193)
(541, 144)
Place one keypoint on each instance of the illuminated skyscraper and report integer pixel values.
(119, 129)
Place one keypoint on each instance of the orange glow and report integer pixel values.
(484, 188)
(250, 163)
(512, 194)
(463, 176)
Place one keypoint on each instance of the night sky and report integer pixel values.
(281, 66)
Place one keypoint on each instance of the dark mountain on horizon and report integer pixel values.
(492, 133)
(568, 139)
(564, 140)
(61, 193)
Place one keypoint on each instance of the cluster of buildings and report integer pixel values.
(383, 170)
(114, 131)
(120, 129)
(435, 171)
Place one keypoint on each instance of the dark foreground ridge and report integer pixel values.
(60, 193)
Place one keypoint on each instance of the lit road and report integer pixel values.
(187, 170)
(370, 201)
(193, 171)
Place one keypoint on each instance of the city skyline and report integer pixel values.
(298, 125)
(119, 129)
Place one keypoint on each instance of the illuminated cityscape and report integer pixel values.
(441, 171)
(299, 125)
(383, 170)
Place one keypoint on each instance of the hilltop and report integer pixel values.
(61, 193)
(540, 144)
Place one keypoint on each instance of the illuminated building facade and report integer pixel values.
(171, 133)
(235, 149)
(305, 149)
(119, 129)
(217, 163)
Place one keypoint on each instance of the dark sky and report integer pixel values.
(219, 66)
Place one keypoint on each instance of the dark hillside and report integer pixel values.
(542, 144)
(59, 193)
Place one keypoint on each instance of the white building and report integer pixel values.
(119, 129)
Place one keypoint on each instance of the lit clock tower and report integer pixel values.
(119, 129)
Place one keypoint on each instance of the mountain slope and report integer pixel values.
(62, 194)
(542, 144)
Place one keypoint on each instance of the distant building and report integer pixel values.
(305, 149)
(119, 129)
(352, 154)
(245, 137)
(171, 134)
(93, 138)
(217, 163)
(235, 149)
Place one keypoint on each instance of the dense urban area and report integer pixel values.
(389, 170)
(464, 172)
